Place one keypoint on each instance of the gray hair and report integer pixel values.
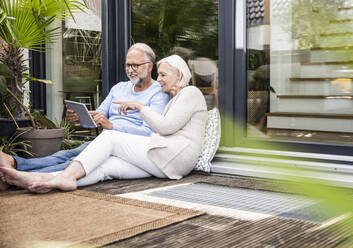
(177, 63)
(146, 49)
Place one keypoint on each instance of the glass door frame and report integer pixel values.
(116, 22)
(233, 87)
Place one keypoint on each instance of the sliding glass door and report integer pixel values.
(300, 70)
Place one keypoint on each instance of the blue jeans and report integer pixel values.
(55, 162)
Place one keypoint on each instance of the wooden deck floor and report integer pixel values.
(219, 231)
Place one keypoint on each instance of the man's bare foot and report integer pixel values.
(3, 186)
(65, 183)
(6, 161)
(23, 179)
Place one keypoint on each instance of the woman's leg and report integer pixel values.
(113, 168)
(131, 148)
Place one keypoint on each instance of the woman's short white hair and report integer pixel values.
(177, 63)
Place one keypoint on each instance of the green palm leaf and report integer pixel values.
(28, 23)
(57, 8)
(2, 15)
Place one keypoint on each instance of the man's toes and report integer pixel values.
(3, 186)
(2, 177)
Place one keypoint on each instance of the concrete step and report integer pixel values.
(291, 96)
(290, 56)
(321, 79)
(251, 166)
(336, 40)
(330, 106)
(345, 25)
(313, 88)
(312, 122)
(325, 54)
(327, 69)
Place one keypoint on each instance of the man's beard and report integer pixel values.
(139, 79)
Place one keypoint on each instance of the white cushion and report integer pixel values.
(210, 142)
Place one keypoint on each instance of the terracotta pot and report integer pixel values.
(44, 142)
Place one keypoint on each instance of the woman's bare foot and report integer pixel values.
(6, 161)
(62, 182)
(23, 179)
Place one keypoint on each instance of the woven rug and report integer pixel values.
(79, 217)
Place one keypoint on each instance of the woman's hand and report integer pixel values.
(125, 106)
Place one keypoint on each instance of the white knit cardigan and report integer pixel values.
(176, 145)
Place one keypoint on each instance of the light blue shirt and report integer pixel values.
(152, 97)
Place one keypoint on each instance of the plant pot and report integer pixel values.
(8, 127)
(44, 142)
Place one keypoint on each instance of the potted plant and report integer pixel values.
(26, 24)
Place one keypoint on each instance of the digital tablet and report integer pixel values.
(86, 119)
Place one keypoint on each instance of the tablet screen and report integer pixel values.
(86, 119)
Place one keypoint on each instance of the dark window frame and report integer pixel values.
(38, 94)
(115, 42)
(232, 75)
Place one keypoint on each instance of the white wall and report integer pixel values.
(54, 71)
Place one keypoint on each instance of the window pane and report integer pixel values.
(82, 60)
(300, 70)
(187, 28)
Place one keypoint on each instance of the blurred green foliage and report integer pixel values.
(167, 24)
(306, 20)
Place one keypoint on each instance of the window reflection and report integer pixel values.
(82, 58)
(187, 28)
(300, 70)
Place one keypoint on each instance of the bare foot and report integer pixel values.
(23, 179)
(3, 186)
(65, 183)
(6, 161)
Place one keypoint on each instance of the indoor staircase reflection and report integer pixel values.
(321, 83)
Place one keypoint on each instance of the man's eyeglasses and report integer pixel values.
(134, 66)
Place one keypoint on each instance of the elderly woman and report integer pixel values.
(171, 152)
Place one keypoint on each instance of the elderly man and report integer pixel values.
(141, 88)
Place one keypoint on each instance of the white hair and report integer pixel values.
(146, 49)
(177, 63)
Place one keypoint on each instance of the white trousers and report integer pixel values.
(116, 155)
